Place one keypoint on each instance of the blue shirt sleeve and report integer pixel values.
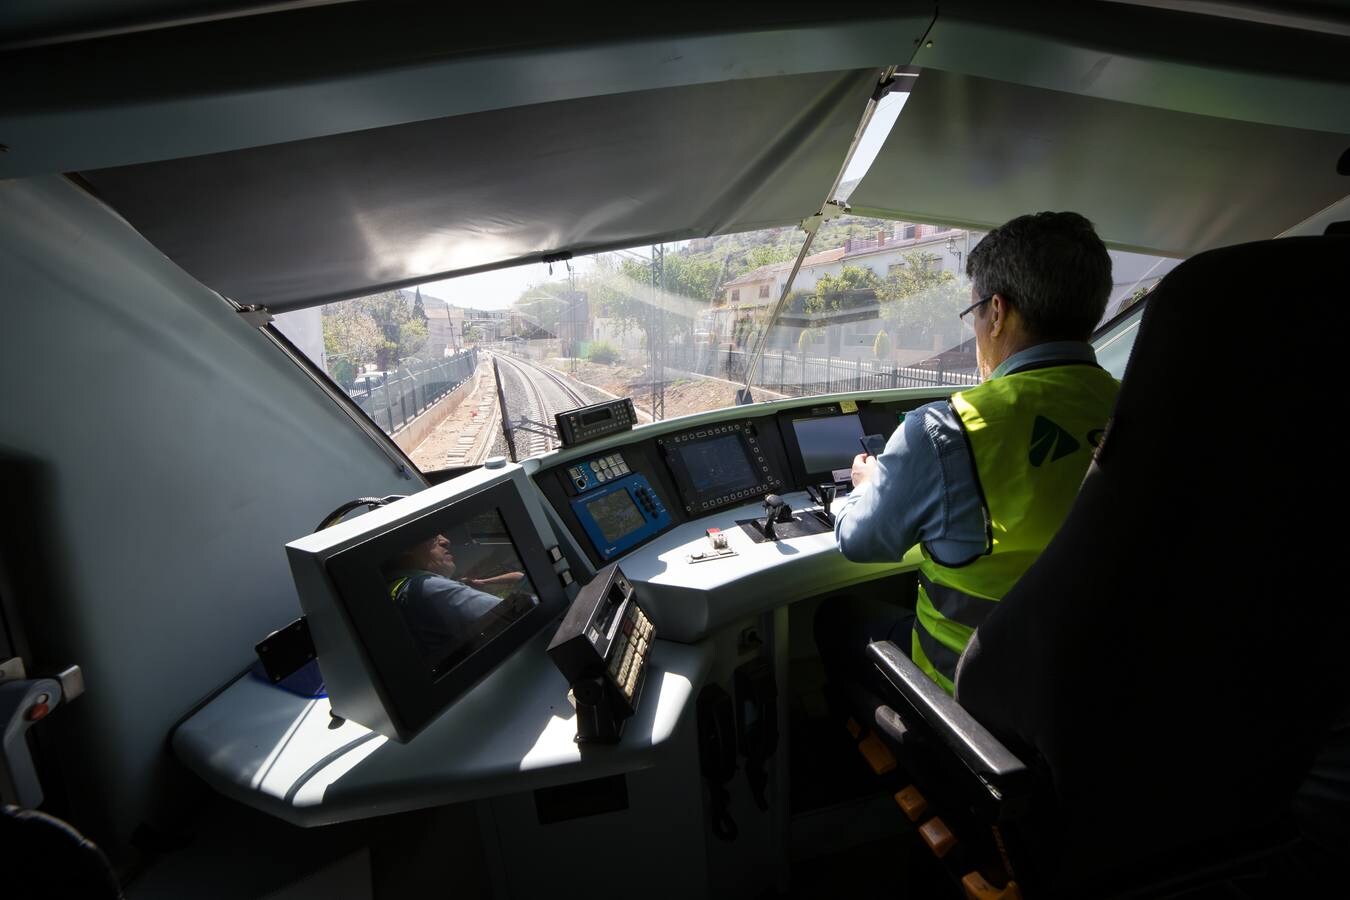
(924, 491)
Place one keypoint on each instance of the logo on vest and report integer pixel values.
(1048, 440)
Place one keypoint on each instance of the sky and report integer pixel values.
(501, 288)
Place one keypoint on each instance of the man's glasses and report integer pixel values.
(972, 307)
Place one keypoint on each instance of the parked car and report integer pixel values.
(367, 382)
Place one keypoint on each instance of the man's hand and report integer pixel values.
(864, 469)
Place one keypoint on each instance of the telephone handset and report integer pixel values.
(717, 754)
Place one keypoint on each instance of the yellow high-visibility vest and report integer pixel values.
(1031, 436)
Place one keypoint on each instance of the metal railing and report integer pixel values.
(802, 375)
(407, 392)
(793, 374)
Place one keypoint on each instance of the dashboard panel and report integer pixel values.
(616, 499)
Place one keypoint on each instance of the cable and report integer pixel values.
(368, 502)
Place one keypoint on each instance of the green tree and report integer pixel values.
(400, 332)
(851, 278)
(602, 352)
(835, 292)
(351, 340)
(623, 289)
(767, 254)
(921, 303)
(544, 304)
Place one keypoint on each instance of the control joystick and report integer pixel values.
(823, 494)
(776, 510)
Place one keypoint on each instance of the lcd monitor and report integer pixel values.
(413, 603)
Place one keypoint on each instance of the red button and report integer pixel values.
(37, 711)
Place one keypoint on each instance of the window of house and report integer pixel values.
(764, 290)
(910, 232)
(735, 295)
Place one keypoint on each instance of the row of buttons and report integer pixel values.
(739, 495)
(707, 432)
(607, 468)
(630, 651)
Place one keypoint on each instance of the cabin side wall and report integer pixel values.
(166, 452)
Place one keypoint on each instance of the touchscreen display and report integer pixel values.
(616, 514)
(718, 465)
(828, 443)
(458, 588)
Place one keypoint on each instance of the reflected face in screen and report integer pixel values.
(433, 555)
(459, 589)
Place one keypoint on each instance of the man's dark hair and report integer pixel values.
(1052, 267)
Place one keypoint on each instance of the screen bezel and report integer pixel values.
(853, 447)
(694, 498)
(607, 496)
(787, 427)
(399, 671)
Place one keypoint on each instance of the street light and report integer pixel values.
(952, 251)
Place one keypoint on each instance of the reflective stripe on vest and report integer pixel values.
(397, 585)
(1031, 436)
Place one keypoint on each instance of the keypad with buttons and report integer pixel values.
(629, 652)
(595, 472)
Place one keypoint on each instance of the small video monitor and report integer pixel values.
(459, 588)
(828, 445)
(411, 604)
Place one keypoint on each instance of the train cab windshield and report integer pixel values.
(708, 453)
(680, 327)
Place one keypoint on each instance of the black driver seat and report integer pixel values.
(1173, 662)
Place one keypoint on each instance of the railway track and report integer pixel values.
(531, 395)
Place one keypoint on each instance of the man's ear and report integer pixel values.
(998, 309)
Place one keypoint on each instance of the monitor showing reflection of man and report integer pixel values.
(448, 615)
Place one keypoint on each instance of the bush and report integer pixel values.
(343, 372)
(881, 347)
(603, 353)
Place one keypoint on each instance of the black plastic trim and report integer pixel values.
(1004, 775)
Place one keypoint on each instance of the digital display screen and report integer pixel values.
(828, 443)
(718, 465)
(459, 588)
(596, 415)
(616, 514)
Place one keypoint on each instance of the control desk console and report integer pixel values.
(618, 500)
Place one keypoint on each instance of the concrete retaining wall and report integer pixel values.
(417, 430)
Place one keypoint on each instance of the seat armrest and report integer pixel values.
(1004, 775)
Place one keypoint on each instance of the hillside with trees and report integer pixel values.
(620, 287)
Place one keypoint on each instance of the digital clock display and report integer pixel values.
(596, 415)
